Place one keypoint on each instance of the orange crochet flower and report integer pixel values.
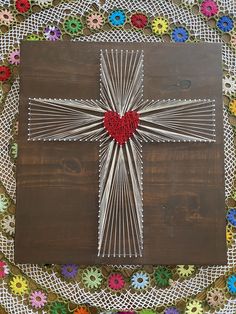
(82, 310)
(232, 107)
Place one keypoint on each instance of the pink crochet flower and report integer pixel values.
(116, 281)
(4, 269)
(38, 299)
(209, 8)
(14, 57)
(95, 21)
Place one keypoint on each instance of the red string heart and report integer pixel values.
(121, 128)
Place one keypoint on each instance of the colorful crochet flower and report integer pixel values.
(18, 285)
(140, 280)
(185, 270)
(4, 202)
(4, 269)
(171, 310)
(216, 297)
(8, 224)
(147, 311)
(194, 307)
(5, 73)
(6, 17)
(52, 33)
(209, 8)
(231, 284)
(14, 150)
(116, 281)
(95, 20)
(69, 270)
(229, 234)
(139, 20)
(225, 24)
(231, 216)
(82, 310)
(58, 307)
(38, 299)
(232, 106)
(179, 34)
(92, 277)
(22, 6)
(159, 25)
(14, 57)
(73, 25)
(34, 37)
(162, 276)
(117, 18)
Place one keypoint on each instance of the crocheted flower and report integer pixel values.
(171, 310)
(4, 269)
(82, 310)
(209, 8)
(95, 20)
(73, 25)
(14, 150)
(140, 280)
(185, 270)
(69, 270)
(216, 297)
(8, 224)
(117, 18)
(229, 234)
(225, 24)
(159, 25)
(195, 307)
(4, 202)
(116, 281)
(232, 106)
(231, 216)
(44, 3)
(139, 20)
(58, 307)
(22, 6)
(6, 17)
(52, 33)
(179, 34)
(162, 276)
(231, 284)
(5, 73)
(147, 311)
(38, 299)
(92, 277)
(229, 85)
(18, 285)
(14, 57)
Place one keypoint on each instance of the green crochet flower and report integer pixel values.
(162, 276)
(4, 202)
(34, 37)
(73, 25)
(92, 277)
(58, 308)
(147, 311)
(13, 150)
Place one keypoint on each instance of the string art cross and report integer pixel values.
(121, 120)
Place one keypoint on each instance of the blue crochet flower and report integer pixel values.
(117, 18)
(231, 282)
(140, 280)
(231, 216)
(179, 35)
(225, 24)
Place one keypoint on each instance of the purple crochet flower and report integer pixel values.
(171, 310)
(52, 33)
(69, 270)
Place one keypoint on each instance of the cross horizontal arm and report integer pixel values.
(177, 120)
(66, 120)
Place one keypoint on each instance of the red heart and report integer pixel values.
(121, 128)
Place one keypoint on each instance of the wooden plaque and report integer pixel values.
(57, 182)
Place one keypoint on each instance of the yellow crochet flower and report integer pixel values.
(232, 107)
(159, 25)
(185, 270)
(18, 285)
(229, 234)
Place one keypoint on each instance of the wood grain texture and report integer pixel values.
(57, 183)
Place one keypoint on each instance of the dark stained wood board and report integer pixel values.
(57, 182)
